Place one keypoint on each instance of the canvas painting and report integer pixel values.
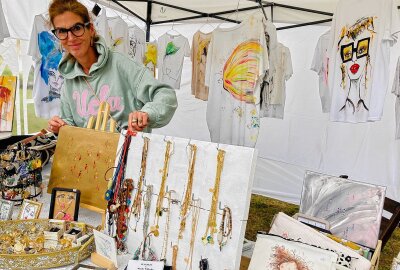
(353, 209)
(275, 253)
(8, 86)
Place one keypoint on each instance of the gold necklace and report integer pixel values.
(196, 204)
(161, 194)
(212, 216)
(137, 202)
(174, 256)
(188, 193)
(166, 230)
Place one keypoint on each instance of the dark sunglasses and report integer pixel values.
(77, 30)
(362, 49)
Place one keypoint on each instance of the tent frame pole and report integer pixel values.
(148, 20)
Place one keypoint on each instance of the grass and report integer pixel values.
(262, 210)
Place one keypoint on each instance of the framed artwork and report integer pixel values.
(29, 210)
(6, 208)
(7, 97)
(64, 204)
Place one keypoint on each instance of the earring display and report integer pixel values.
(174, 175)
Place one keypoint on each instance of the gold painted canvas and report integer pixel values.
(81, 161)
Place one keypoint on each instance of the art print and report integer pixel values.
(30, 210)
(6, 209)
(106, 246)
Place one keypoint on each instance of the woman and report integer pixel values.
(94, 74)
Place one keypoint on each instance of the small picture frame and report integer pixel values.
(6, 209)
(64, 204)
(30, 210)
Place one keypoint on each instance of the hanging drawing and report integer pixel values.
(353, 209)
(7, 97)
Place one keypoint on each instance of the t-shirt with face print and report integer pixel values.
(361, 36)
(46, 52)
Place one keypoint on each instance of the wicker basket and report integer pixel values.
(67, 256)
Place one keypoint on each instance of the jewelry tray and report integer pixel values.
(72, 255)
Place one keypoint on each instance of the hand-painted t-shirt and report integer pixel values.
(117, 35)
(171, 51)
(361, 37)
(320, 65)
(137, 43)
(280, 58)
(199, 57)
(101, 26)
(396, 91)
(46, 52)
(150, 57)
(236, 60)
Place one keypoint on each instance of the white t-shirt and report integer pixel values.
(396, 91)
(101, 26)
(117, 35)
(171, 51)
(273, 104)
(137, 43)
(362, 34)
(46, 53)
(236, 61)
(8, 51)
(320, 65)
(4, 33)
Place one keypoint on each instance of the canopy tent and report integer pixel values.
(305, 138)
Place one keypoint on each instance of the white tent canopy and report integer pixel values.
(305, 138)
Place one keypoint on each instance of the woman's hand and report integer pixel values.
(137, 121)
(55, 123)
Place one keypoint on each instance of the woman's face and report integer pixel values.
(355, 56)
(78, 47)
(55, 79)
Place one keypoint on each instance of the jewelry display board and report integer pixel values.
(81, 161)
(233, 183)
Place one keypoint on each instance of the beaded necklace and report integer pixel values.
(161, 194)
(188, 193)
(225, 228)
(212, 216)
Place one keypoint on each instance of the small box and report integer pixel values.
(56, 230)
(80, 225)
(73, 234)
(83, 239)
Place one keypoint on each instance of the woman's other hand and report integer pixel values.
(55, 123)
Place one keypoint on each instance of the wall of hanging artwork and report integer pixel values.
(81, 161)
(354, 209)
(202, 237)
(7, 97)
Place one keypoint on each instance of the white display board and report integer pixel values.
(235, 192)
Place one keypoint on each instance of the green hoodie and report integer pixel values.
(123, 83)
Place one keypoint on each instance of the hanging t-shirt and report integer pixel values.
(46, 53)
(4, 33)
(137, 43)
(362, 34)
(9, 55)
(273, 104)
(396, 91)
(199, 57)
(117, 35)
(320, 65)
(171, 51)
(101, 26)
(237, 58)
(150, 57)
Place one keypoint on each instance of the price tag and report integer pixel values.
(145, 265)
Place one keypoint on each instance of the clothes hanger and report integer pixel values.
(206, 24)
(172, 31)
